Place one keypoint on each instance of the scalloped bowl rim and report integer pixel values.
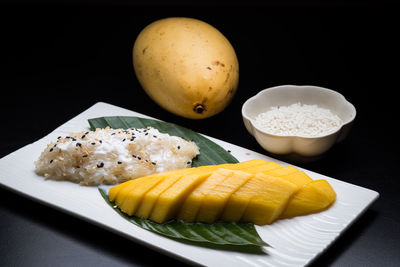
(251, 99)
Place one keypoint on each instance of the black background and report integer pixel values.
(60, 58)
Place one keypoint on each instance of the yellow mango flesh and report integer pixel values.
(255, 191)
(298, 178)
(239, 200)
(215, 199)
(170, 201)
(133, 198)
(266, 206)
(250, 164)
(288, 173)
(124, 191)
(192, 203)
(115, 190)
(314, 197)
(279, 172)
(265, 167)
(151, 197)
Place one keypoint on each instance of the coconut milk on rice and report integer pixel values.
(110, 156)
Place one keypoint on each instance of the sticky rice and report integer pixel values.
(110, 156)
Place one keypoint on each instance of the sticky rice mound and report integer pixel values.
(110, 156)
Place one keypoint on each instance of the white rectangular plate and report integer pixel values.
(294, 242)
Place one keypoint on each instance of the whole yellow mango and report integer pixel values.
(186, 66)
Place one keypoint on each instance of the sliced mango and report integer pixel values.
(170, 201)
(265, 167)
(215, 200)
(170, 177)
(279, 172)
(314, 197)
(266, 206)
(136, 191)
(254, 191)
(151, 197)
(115, 190)
(231, 166)
(124, 191)
(239, 200)
(299, 178)
(192, 204)
(244, 165)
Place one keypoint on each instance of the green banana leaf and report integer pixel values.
(219, 233)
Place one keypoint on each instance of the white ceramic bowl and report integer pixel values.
(297, 147)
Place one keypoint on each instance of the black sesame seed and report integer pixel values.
(119, 162)
(153, 163)
(188, 162)
(155, 136)
(85, 156)
(83, 136)
(86, 132)
(229, 151)
(113, 134)
(179, 147)
(74, 139)
(68, 137)
(51, 161)
(79, 144)
(146, 133)
(101, 165)
(133, 138)
(139, 158)
(123, 140)
(51, 149)
(100, 141)
(77, 167)
(134, 156)
(59, 137)
(93, 143)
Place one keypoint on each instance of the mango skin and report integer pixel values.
(186, 66)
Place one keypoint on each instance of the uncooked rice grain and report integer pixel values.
(298, 120)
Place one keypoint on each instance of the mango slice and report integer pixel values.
(170, 177)
(279, 172)
(124, 191)
(237, 203)
(192, 204)
(290, 174)
(298, 178)
(170, 201)
(314, 197)
(215, 199)
(115, 190)
(265, 167)
(151, 197)
(136, 192)
(254, 191)
(270, 201)
(248, 165)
